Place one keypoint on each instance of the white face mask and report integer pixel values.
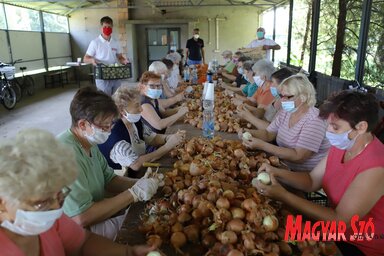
(341, 140)
(258, 80)
(196, 36)
(132, 118)
(29, 223)
(98, 136)
(288, 106)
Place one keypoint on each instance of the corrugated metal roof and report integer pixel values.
(66, 7)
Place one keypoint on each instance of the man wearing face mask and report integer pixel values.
(126, 146)
(93, 115)
(106, 50)
(195, 49)
(267, 44)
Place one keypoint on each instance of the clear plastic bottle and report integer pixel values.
(208, 123)
(186, 74)
(194, 76)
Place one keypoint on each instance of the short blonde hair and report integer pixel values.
(299, 85)
(34, 163)
(124, 95)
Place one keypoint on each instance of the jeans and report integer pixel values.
(109, 87)
(194, 62)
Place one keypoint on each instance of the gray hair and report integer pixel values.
(174, 57)
(226, 53)
(264, 68)
(34, 163)
(247, 65)
(299, 85)
(158, 67)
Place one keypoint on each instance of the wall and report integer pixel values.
(236, 31)
(84, 26)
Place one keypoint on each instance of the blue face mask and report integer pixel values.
(341, 140)
(240, 70)
(260, 34)
(274, 92)
(154, 93)
(288, 106)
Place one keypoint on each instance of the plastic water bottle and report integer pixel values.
(186, 74)
(208, 105)
(208, 124)
(209, 76)
(194, 76)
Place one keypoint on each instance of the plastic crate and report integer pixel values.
(113, 72)
(318, 197)
(8, 71)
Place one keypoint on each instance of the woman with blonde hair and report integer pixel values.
(297, 128)
(35, 172)
(126, 146)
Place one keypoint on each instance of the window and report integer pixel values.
(3, 25)
(301, 33)
(55, 23)
(374, 60)
(22, 19)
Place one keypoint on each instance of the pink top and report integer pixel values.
(337, 178)
(308, 133)
(64, 238)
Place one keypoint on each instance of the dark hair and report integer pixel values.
(282, 74)
(88, 104)
(353, 107)
(240, 54)
(181, 52)
(106, 19)
(148, 75)
(167, 63)
(196, 29)
(244, 59)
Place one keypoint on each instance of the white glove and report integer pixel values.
(144, 189)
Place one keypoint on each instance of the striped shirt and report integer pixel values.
(307, 133)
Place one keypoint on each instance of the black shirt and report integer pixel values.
(194, 47)
(240, 80)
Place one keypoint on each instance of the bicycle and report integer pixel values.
(27, 84)
(7, 94)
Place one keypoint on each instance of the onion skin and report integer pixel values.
(237, 213)
(239, 153)
(264, 178)
(270, 223)
(192, 233)
(223, 202)
(249, 205)
(178, 239)
(235, 252)
(154, 240)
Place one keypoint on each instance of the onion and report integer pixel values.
(274, 161)
(212, 196)
(223, 202)
(229, 194)
(236, 225)
(248, 239)
(167, 191)
(263, 177)
(249, 205)
(235, 252)
(154, 253)
(208, 240)
(270, 223)
(192, 233)
(177, 227)
(196, 214)
(247, 136)
(228, 237)
(285, 249)
(154, 240)
(196, 169)
(237, 213)
(184, 217)
(239, 153)
(178, 239)
(184, 208)
(188, 197)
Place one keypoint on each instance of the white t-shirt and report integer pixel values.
(258, 43)
(173, 79)
(103, 50)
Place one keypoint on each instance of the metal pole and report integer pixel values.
(274, 31)
(289, 32)
(7, 35)
(43, 41)
(363, 40)
(314, 34)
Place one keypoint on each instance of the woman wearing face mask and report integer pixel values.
(262, 69)
(154, 115)
(260, 118)
(298, 130)
(35, 171)
(247, 90)
(230, 72)
(93, 115)
(127, 143)
(351, 174)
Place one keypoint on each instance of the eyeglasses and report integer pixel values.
(104, 127)
(155, 86)
(45, 205)
(288, 97)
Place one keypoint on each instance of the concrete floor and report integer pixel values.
(48, 109)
